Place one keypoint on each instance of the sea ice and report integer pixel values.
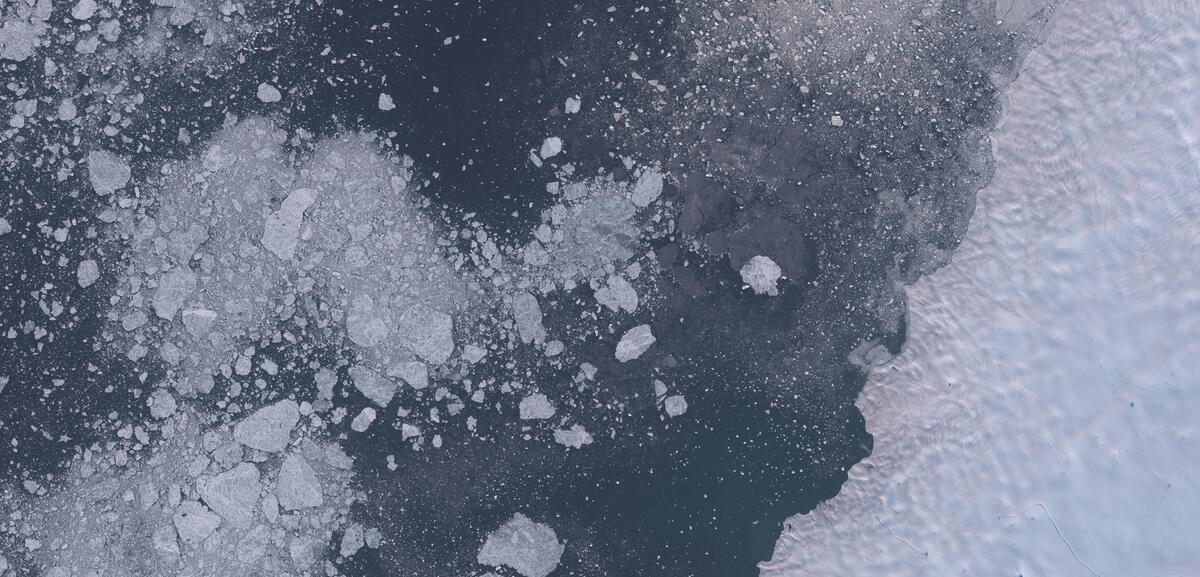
(88, 273)
(675, 405)
(174, 288)
(634, 343)
(575, 437)
(536, 406)
(268, 93)
(761, 274)
(531, 549)
(297, 486)
(551, 147)
(528, 316)
(647, 188)
(232, 494)
(107, 172)
(374, 386)
(282, 229)
(269, 429)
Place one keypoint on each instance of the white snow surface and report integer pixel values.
(1042, 420)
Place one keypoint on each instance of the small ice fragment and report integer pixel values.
(162, 404)
(427, 332)
(531, 549)
(352, 540)
(84, 9)
(269, 429)
(647, 188)
(374, 386)
(551, 147)
(761, 273)
(575, 437)
(198, 321)
(634, 343)
(5, 228)
(194, 522)
(268, 93)
(415, 373)
(297, 486)
(571, 106)
(528, 316)
(282, 230)
(363, 420)
(675, 405)
(88, 273)
(473, 354)
(536, 406)
(408, 431)
(174, 288)
(836, 120)
(618, 295)
(67, 110)
(233, 494)
(107, 172)
(385, 102)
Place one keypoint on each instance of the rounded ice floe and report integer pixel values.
(107, 172)
(297, 486)
(634, 343)
(536, 406)
(761, 274)
(269, 429)
(531, 549)
(675, 405)
(87, 273)
(363, 421)
(268, 93)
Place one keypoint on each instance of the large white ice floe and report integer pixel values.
(531, 549)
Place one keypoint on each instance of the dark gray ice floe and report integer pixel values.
(531, 549)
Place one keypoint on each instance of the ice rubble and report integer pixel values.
(196, 503)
